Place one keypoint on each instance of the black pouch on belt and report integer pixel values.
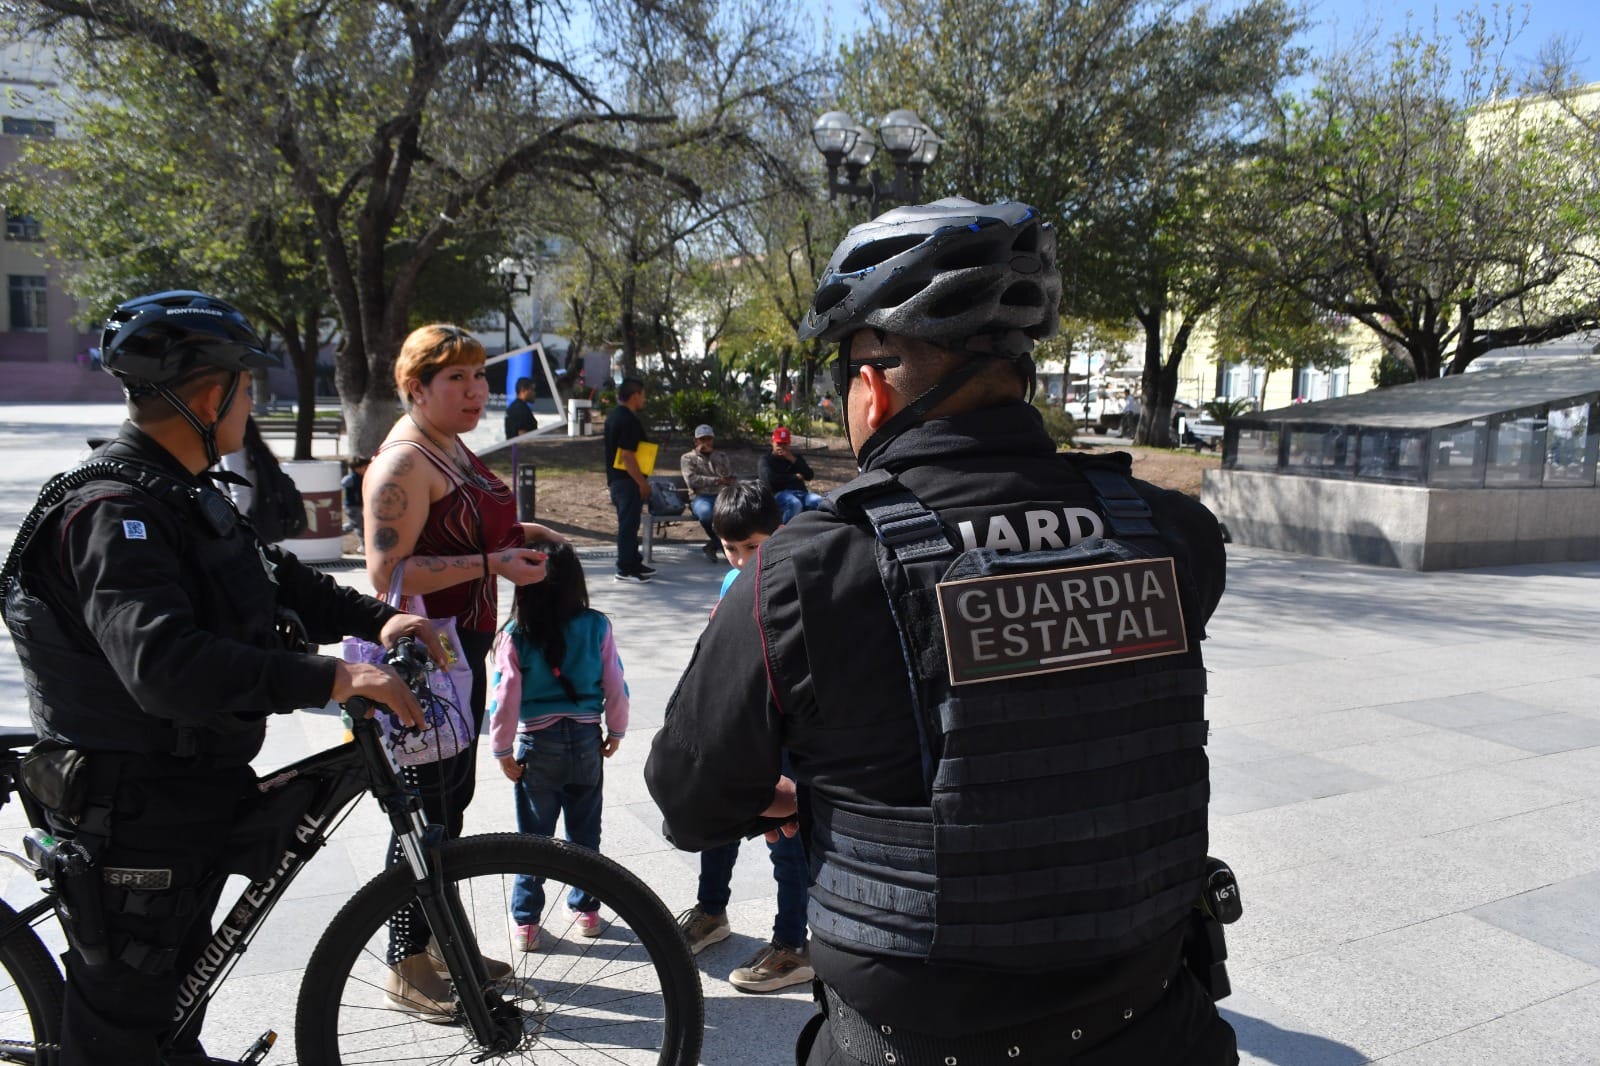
(58, 777)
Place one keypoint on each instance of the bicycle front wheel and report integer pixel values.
(625, 993)
(30, 994)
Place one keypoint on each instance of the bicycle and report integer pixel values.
(630, 995)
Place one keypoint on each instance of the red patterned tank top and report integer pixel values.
(478, 515)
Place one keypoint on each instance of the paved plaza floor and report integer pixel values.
(1406, 779)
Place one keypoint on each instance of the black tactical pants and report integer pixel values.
(1182, 1029)
(170, 826)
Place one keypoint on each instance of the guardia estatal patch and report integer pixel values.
(1016, 625)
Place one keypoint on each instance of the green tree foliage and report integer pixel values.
(1433, 206)
(782, 246)
(1125, 121)
(1277, 330)
(653, 269)
(132, 221)
(396, 127)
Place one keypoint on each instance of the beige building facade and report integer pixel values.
(45, 353)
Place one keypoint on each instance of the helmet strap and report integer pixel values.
(208, 434)
(915, 411)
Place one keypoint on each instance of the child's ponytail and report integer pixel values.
(541, 610)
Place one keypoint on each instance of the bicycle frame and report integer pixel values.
(342, 774)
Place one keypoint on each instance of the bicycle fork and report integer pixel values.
(495, 1027)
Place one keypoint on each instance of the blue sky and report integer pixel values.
(1337, 21)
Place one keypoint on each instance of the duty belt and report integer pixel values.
(1051, 1039)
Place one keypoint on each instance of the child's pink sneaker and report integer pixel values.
(588, 922)
(526, 938)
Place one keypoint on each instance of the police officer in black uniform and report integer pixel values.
(156, 633)
(983, 659)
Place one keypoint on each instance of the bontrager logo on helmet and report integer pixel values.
(153, 343)
(966, 276)
(164, 337)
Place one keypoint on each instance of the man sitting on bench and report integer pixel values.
(707, 472)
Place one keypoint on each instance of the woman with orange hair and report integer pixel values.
(434, 509)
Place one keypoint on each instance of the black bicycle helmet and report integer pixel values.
(167, 336)
(152, 343)
(966, 276)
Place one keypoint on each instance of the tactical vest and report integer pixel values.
(1063, 751)
(74, 695)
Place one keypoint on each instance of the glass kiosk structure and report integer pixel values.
(1475, 445)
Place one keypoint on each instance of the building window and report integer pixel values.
(27, 301)
(22, 227)
(27, 127)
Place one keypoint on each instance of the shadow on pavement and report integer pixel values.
(1285, 1047)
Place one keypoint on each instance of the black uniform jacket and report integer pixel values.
(188, 642)
(833, 690)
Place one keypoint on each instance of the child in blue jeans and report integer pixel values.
(745, 515)
(557, 674)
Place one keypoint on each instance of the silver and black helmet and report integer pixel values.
(966, 276)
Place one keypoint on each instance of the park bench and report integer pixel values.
(280, 427)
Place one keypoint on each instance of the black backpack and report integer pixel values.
(667, 496)
(277, 511)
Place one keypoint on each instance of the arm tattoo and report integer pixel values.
(385, 539)
(403, 464)
(430, 563)
(389, 502)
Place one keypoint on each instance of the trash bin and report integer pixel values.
(578, 417)
(526, 491)
(322, 492)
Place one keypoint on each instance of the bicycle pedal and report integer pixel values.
(259, 1049)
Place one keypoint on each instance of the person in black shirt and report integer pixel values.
(1004, 798)
(148, 618)
(627, 483)
(785, 475)
(519, 412)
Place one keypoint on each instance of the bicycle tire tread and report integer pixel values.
(490, 854)
(24, 956)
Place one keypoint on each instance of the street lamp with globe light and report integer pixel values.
(850, 145)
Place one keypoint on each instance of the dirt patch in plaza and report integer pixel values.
(572, 499)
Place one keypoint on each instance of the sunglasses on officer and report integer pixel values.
(844, 370)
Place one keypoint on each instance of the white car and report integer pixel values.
(1201, 430)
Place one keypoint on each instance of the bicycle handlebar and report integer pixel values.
(410, 659)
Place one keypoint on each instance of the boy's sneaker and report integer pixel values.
(773, 967)
(702, 930)
(526, 937)
(645, 571)
(588, 923)
(632, 576)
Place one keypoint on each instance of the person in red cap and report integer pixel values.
(785, 474)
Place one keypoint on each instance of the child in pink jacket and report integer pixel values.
(557, 679)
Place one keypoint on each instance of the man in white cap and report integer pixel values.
(707, 472)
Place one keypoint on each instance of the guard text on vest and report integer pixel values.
(1058, 527)
(1034, 623)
